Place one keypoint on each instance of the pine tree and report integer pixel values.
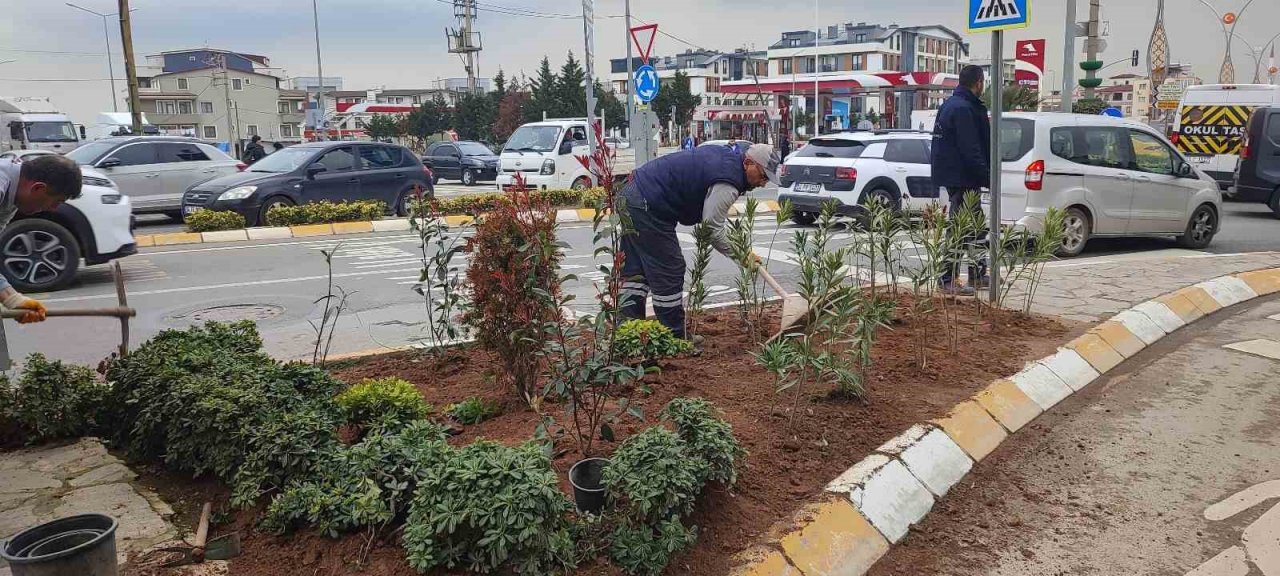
(542, 93)
(500, 84)
(571, 92)
(610, 107)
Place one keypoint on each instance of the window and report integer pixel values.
(283, 107)
(210, 132)
(831, 148)
(360, 125)
(181, 152)
(1017, 137)
(206, 107)
(784, 66)
(907, 152)
(184, 106)
(447, 150)
(251, 130)
(860, 38)
(166, 107)
(379, 157)
(1091, 146)
(144, 82)
(1150, 154)
(809, 65)
(1273, 127)
(188, 129)
(182, 84)
(338, 160)
(286, 131)
(134, 154)
(829, 63)
(237, 84)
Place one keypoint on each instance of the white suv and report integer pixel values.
(1112, 177)
(850, 168)
(42, 252)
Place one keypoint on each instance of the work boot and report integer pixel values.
(697, 345)
(953, 289)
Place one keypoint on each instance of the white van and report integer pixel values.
(546, 152)
(1111, 176)
(1210, 126)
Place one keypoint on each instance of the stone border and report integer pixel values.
(565, 216)
(873, 504)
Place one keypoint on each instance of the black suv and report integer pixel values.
(464, 160)
(1258, 170)
(312, 172)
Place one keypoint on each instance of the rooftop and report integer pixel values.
(850, 33)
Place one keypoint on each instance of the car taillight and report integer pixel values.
(1034, 178)
(1174, 138)
(846, 173)
(240, 166)
(426, 171)
(782, 170)
(1246, 150)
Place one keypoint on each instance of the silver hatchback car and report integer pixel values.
(154, 171)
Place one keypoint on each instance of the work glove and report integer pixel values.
(16, 301)
(754, 262)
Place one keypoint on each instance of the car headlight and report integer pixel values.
(548, 167)
(111, 198)
(238, 193)
(95, 181)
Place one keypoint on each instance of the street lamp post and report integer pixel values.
(106, 38)
(1227, 74)
(1256, 52)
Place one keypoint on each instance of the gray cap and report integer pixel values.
(767, 158)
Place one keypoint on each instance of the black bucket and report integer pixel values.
(84, 545)
(588, 489)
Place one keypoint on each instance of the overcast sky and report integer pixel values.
(401, 43)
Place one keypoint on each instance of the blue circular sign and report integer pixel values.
(646, 81)
(1113, 112)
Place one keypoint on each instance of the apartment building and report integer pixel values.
(706, 70)
(219, 95)
(1130, 93)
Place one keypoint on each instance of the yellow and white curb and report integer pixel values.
(567, 216)
(874, 503)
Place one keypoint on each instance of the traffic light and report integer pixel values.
(1133, 60)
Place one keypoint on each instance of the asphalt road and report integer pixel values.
(1169, 466)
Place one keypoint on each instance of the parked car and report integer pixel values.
(1209, 127)
(42, 252)
(1257, 177)
(154, 171)
(335, 171)
(464, 160)
(854, 168)
(730, 143)
(1111, 176)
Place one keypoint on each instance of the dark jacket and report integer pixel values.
(254, 152)
(962, 142)
(675, 186)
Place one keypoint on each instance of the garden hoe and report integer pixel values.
(201, 548)
(123, 312)
(795, 309)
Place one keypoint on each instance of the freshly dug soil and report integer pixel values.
(791, 456)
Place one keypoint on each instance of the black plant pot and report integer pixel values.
(588, 488)
(84, 545)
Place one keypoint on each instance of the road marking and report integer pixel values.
(112, 295)
(331, 241)
(1273, 317)
(1257, 543)
(1265, 348)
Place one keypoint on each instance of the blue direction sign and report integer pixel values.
(1113, 112)
(646, 81)
(992, 15)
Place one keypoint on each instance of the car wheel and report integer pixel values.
(880, 195)
(581, 184)
(404, 203)
(38, 255)
(1275, 203)
(268, 204)
(1075, 234)
(804, 218)
(468, 177)
(1200, 228)
(175, 215)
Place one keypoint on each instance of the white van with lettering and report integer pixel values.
(1210, 127)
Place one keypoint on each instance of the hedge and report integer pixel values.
(473, 203)
(326, 213)
(213, 221)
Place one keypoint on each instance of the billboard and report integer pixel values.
(1030, 63)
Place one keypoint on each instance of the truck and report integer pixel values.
(110, 124)
(546, 152)
(1210, 126)
(34, 123)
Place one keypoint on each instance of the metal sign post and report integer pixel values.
(996, 16)
(588, 34)
(643, 86)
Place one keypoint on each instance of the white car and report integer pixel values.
(42, 252)
(851, 168)
(1111, 176)
(155, 171)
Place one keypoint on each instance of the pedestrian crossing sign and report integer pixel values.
(992, 15)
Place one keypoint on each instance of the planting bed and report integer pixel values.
(788, 463)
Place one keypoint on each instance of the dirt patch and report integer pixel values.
(789, 461)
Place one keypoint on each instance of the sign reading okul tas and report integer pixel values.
(1030, 66)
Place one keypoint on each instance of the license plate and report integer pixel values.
(191, 209)
(807, 187)
(1199, 159)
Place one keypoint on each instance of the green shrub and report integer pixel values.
(366, 484)
(382, 398)
(473, 410)
(51, 400)
(648, 340)
(326, 212)
(645, 550)
(592, 197)
(206, 399)
(653, 476)
(485, 202)
(214, 220)
(490, 508)
(707, 435)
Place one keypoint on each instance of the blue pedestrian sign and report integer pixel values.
(1113, 112)
(646, 81)
(993, 15)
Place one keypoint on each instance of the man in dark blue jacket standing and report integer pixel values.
(961, 162)
(685, 187)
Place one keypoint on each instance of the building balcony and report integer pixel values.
(167, 119)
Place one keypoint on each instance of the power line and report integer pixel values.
(57, 79)
(60, 52)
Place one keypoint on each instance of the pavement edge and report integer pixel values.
(872, 505)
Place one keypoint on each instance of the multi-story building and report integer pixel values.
(1009, 66)
(219, 95)
(1130, 93)
(707, 70)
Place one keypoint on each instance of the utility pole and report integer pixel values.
(226, 92)
(631, 104)
(126, 40)
(465, 41)
(320, 129)
(817, 95)
(1091, 44)
(1069, 57)
(589, 53)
